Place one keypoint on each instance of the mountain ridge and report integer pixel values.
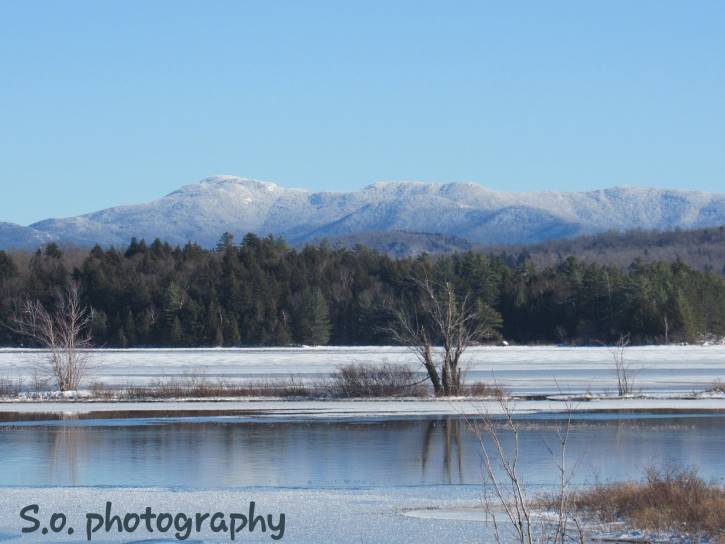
(201, 211)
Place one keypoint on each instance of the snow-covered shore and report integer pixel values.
(521, 370)
(273, 409)
(666, 378)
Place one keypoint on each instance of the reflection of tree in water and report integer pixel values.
(450, 432)
(66, 446)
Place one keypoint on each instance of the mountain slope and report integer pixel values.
(16, 237)
(401, 244)
(202, 211)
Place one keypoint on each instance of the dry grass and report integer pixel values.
(482, 389)
(199, 387)
(39, 383)
(675, 501)
(349, 381)
(385, 380)
(100, 390)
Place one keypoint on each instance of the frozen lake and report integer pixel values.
(524, 370)
(342, 471)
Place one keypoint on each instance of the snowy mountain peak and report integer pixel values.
(409, 186)
(214, 183)
(202, 211)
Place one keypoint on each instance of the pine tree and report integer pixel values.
(129, 328)
(147, 325)
(120, 339)
(685, 318)
(231, 332)
(226, 241)
(282, 335)
(176, 333)
(313, 322)
(99, 324)
(8, 269)
(218, 336)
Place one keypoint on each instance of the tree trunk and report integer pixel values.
(446, 380)
(430, 367)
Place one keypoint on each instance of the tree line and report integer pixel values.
(262, 292)
(701, 249)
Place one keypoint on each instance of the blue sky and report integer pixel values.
(103, 103)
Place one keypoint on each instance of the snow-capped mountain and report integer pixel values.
(202, 211)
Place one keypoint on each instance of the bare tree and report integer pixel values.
(441, 316)
(624, 371)
(64, 332)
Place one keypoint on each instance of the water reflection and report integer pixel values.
(67, 448)
(448, 434)
(226, 453)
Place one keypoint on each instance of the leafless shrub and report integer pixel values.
(64, 332)
(625, 372)
(10, 387)
(366, 380)
(677, 501)
(505, 490)
(718, 386)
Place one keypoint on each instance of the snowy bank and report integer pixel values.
(541, 370)
(262, 409)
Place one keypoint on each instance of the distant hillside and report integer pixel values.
(402, 244)
(702, 249)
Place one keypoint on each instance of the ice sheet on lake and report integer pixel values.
(523, 370)
(287, 410)
(417, 515)
(312, 516)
